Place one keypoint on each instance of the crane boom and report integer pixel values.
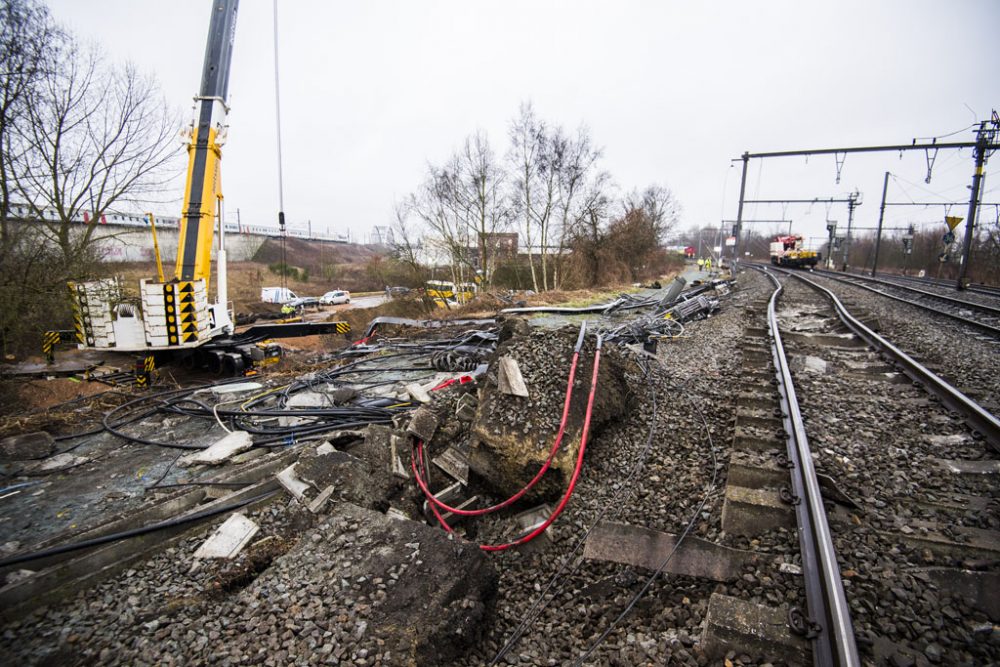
(176, 318)
(203, 190)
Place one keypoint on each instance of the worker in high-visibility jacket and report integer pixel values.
(708, 264)
(701, 263)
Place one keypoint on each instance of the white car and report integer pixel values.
(335, 297)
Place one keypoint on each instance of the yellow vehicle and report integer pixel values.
(447, 294)
(176, 317)
(791, 251)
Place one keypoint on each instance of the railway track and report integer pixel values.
(985, 290)
(899, 528)
(983, 317)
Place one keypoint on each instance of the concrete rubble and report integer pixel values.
(512, 435)
(229, 538)
(221, 450)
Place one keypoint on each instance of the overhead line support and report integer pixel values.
(881, 217)
(868, 149)
(984, 144)
(739, 212)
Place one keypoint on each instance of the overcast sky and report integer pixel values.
(672, 91)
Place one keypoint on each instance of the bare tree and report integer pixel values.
(551, 168)
(527, 141)
(659, 204)
(26, 34)
(436, 207)
(478, 191)
(96, 138)
(463, 205)
(578, 159)
(76, 136)
(587, 231)
(405, 243)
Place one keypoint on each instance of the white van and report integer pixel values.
(276, 294)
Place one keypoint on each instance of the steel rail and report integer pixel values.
(978, 418)
(987, 290)
(829, 623)
(983, 308)
(847, 280)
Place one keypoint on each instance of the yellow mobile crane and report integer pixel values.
(176, 317)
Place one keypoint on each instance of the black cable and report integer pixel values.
(687, 529)
(156, 484)
(227, 485)
(134, 532)
(628, 488)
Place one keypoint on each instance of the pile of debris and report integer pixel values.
(336, 476)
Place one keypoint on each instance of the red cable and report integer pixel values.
(569, 489)
(418, 445)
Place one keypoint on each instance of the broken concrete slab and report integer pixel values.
(527, 522)
(732, 624)
(303, 399)
(423, 424)
(27, 446)
(642, 547)
(363, 476)
(250, 455)
(454, 463)
(325, 448)
(417, 392)
(398, 514)
(397, 445)
(295, 486)
(509, 378)
(221, 450)
(229, 538)
(465, 408)
(811, 364)
(339, 395)
(948, 440)
(418, 575)
(452, 496)
(316, 505)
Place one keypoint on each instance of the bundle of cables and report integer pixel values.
(419, 466)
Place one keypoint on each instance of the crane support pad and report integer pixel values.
(259, 332)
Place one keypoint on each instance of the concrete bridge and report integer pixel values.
(128, 238)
